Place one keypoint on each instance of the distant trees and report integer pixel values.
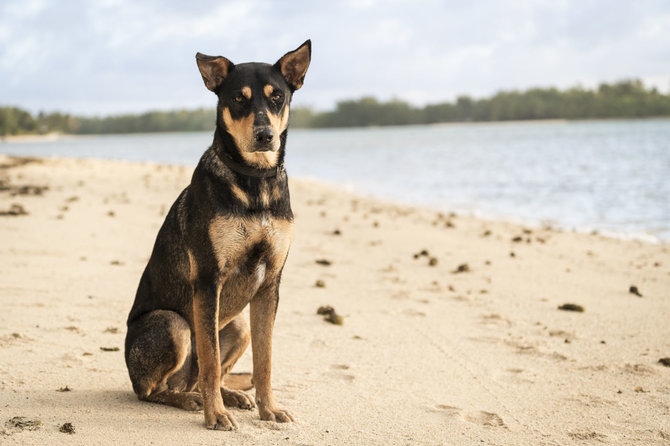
(624, 99)
(154, 121)
(366, 112)
(14, 121)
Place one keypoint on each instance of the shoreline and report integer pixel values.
(476, 213)
(488, 216)
(59, 135)
(461, 343)
(28, 138)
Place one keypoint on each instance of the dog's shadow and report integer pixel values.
(117, 407)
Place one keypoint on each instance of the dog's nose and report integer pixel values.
(264, 134)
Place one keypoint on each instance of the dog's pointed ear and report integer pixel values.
(293, 65)
(213, 69)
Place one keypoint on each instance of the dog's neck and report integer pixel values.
(234, 162)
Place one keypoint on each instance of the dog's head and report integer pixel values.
(254, 101)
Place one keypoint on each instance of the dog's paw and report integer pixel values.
(237, 398)
(275, 414)
(191, 401)
(220, 421)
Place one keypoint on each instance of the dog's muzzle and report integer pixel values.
(263, 137)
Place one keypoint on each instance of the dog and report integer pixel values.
(222, 247)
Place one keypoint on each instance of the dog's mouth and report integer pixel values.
(262, 148)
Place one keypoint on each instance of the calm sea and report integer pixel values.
(610, 176)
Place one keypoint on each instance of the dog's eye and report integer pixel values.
(238, 98)
(276, 96)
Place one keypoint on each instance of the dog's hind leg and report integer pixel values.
(233, 340)
(160, 360)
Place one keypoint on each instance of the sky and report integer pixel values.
(127, 56)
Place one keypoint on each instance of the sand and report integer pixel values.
(463, 344)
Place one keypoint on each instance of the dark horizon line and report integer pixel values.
(346, 99)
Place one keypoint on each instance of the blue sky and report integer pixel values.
(114, 56)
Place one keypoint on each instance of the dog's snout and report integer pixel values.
(264, 135)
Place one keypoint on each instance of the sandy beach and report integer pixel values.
(451, 329)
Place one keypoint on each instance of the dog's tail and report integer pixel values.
(238, 381)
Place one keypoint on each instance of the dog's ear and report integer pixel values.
(213, 69)
(293, 65)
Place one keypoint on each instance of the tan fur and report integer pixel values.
(260, 312)
(209, 362)
(294, 66)
(193, 267)
(275, 194)
(213, 70)
(283, 236)
(265, 160)
(279, 123)
(240, 194)
(239, 225)
(228, 239)
(238, 381)
(242, 132)
(232, 237)
(265, 195)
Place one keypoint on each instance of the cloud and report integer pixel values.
(121, 56)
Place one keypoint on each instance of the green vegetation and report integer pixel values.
(625, 99)
(14, 121)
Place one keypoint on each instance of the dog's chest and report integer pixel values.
(250, 251)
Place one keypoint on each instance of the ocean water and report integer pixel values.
(610, 176)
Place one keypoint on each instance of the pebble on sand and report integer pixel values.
(330, 315)
(462, 268)
(14, 211)
(571, 307)
(109, 349)
(67, 428)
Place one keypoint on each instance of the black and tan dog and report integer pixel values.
(222, 246)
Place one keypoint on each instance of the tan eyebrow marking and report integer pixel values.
(246, 92)
(268, 89)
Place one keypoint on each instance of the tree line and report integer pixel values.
(624, 99)
(15, 121)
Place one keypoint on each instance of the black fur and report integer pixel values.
(222, 245)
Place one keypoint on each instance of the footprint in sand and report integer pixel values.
(13, 338)
(480, 417)
(449, 411)
(515, 376)
(485, 419)
(414, 313)
(338, 371)
(494, 320)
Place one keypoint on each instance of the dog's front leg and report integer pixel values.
(262, 312)
(206, 324)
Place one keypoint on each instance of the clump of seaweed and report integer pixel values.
(571, 307)
(67, 428)
(330, 315)
(23, 423)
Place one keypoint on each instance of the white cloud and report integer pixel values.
(120, 55)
